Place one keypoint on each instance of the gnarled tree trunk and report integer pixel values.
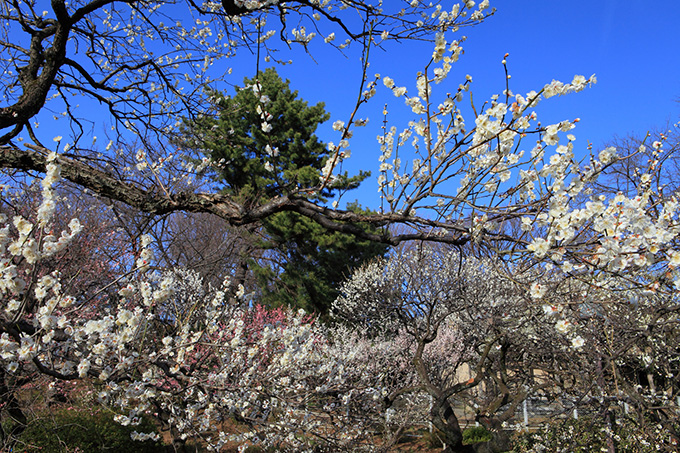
(446, 421)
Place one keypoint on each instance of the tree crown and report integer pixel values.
(262, 141)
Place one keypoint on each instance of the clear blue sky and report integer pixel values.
(632, 47)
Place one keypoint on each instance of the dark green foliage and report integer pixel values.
(475, 435)
(306, 262)
(71, 429)
(255, 166)
(315, 262)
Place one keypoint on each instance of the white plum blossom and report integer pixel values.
(563, 326)
(577, 342)
(538, 290)
(539, 246)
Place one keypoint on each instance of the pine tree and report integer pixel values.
(306, 262)
(314, 261)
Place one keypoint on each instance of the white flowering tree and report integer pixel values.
(466, 333)
(457, 322)
(626, 353)
(471, 176)
(147, 68)
(623, 318)
(620, 372)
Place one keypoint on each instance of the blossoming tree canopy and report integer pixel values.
(461, 324)
(452, 174)
(170, 345)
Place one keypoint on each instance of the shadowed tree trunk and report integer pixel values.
(445, 420)
(17, 420)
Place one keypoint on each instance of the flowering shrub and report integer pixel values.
(592, 434)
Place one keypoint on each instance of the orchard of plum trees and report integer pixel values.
(193, 277)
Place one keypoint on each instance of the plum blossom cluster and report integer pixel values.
(628, 232)
(218, 361)
(33, 241)
(488, 156)
(55, 337)
(175, 348)
(480, 179)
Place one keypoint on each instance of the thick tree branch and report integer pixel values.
(155, 201)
